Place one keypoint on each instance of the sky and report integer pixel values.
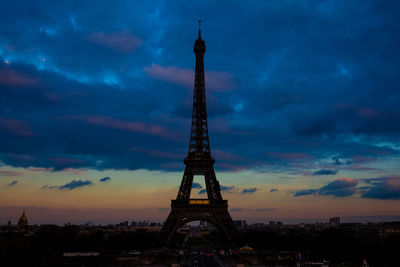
(303, 109)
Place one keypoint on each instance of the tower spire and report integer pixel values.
(199, 29)
(199, 143)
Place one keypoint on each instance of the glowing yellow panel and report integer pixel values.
(199, 201)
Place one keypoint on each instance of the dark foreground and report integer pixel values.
(301, 245)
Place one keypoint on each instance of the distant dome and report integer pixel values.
(23, 220)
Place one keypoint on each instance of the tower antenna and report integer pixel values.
(199, 29)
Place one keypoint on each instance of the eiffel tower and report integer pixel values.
(213, 209)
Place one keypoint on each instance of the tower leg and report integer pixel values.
(215, 214)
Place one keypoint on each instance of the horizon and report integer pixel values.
(85, 216)
(302, 102)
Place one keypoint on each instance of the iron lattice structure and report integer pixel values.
(199, 161)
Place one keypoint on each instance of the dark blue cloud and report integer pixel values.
(57, 57)
(341, 187)
(223, 188)
(227, 188)
(305, 192)
(12, 183)
(74, 184)
(197, 186)
(249, 190)
(382, 188)
(105, 179)
(325, 172)
(202, 191)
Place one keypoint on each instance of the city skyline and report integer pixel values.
(302, 99)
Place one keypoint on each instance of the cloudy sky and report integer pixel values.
(303, 103)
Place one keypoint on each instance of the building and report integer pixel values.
(335, 221)
(23, 220)
(240, 224)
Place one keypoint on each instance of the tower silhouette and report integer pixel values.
(199, 161)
